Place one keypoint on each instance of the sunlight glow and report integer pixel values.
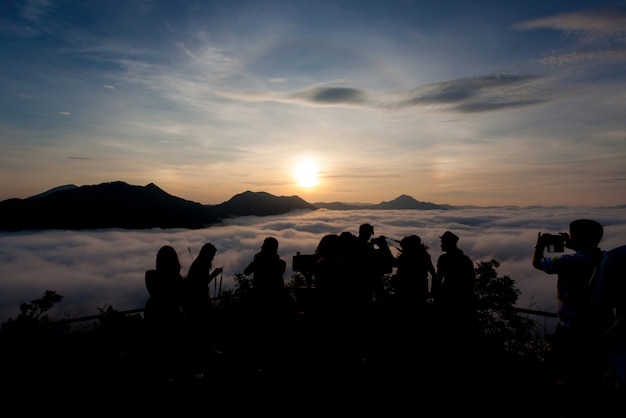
(306, 174)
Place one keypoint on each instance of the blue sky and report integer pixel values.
(482, 103)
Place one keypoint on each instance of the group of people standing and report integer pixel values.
(178, 311)
(348, 272)
(365, 294)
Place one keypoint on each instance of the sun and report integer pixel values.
(306, 174)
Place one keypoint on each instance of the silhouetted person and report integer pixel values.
(198, 302)
(410, 282)
(331, 287)
(374, 259)
(366, 264)
(164, 284)
(453, 287)
(454, 308)
(163, 314)
(577, 357)
(405, 311)
(269, 301)
(333, 302)
(268, 293)
(348, 249)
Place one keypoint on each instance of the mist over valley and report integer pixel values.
(98, 268)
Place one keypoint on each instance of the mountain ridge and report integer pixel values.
(118, 204)
(401, 202)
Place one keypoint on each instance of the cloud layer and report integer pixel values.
(96, 269)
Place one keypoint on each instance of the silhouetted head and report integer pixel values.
(346, 236)
(366, 230)
(270, 244)
(329, 244)
(585, 233)
(411, 242)
(449, 238)
(347, 241)
(167, 260)
(208, 250)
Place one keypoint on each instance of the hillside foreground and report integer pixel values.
(299, 365)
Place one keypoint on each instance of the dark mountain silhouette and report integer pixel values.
(337, 206)
(54, 190)
(259, 204)
(107, 205)
(401, 202)
(120, 205)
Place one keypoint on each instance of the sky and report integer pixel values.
(96, 269)
(450, 102)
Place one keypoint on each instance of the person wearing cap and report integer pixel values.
(455, 273)
(576, 351)
(453, 290)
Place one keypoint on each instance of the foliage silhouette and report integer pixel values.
(498, 320)
(113, 349)
(32, 315)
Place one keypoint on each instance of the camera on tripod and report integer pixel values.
(555, 243)
(304, 263)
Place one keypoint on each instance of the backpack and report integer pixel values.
(608, 290)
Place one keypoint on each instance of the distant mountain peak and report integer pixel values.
(399, 203)
(260, 204)
(118, 204)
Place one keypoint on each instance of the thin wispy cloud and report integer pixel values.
(599, 32)
(448, 103)
(610, 21)
(486, 93)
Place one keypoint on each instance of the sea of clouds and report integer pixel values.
(95, 269)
